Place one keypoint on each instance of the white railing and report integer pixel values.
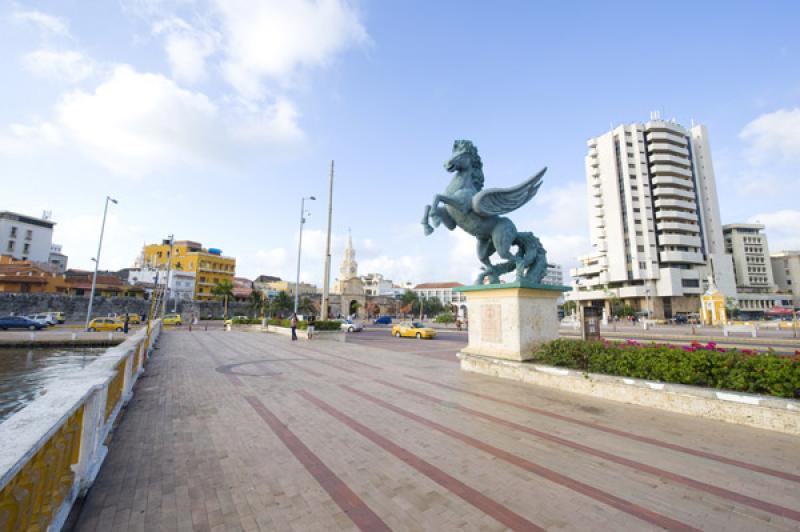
(53, 448)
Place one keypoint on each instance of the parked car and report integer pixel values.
(383, 320)
(19, 322)
(681, 319)
(413, 329)
(45, 319)
(106, 324)
(172, 319)
(352, 326)
(58, 316)
(133, 319)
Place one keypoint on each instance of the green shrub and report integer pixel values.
(445, 317)
(698, 364)
(319, 325)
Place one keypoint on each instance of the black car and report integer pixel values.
(20, 322)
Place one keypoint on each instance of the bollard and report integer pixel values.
(110, 336)
(74, 336)
(33, 336)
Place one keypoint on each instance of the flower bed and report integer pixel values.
(698, 364)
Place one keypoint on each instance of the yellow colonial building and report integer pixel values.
(209, 265)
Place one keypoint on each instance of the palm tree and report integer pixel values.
(223, 290)
(282, 302)
(306, 306)
(256, 303)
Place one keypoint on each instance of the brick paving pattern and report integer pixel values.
(249, 431)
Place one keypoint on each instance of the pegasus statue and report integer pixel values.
(478, 211)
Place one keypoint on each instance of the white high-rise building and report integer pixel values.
(786, 272)
(756, 290)
(655, 223)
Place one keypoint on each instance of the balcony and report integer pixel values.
(669, 214)
(684, 257)
(666, 136)
(667, 148)
(661, 158)
(679, 240)
(663, 203)
(663, 192)
(671, 181)
(662, 126)
(677, 226)
(671, 170)
(597, 203)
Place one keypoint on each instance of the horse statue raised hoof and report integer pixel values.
(467, 205)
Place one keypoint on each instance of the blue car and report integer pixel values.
(20, 322)
(383, 320)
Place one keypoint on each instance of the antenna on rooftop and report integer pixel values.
(46, 215)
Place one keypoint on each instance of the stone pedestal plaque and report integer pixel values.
(509, 320)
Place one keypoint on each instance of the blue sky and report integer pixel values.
(211, 119)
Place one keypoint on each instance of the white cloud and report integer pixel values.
(781, 228)
(775, 134)
(20, 138)
(134, 122)
(79, 235)
(47, 24)
(187, 48)
(66, 65)
(274, 39)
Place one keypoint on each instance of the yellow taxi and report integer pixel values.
(413, 329)
(106, 324)
(172, 319)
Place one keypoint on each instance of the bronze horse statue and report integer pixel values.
(467, 205)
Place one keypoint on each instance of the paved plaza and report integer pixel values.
(249, 431)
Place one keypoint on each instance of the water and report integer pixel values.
(24, 372)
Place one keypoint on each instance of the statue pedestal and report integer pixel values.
(510, 320)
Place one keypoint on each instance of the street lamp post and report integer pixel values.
(97, 261)
(299, 250)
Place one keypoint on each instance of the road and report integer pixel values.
(250, 431)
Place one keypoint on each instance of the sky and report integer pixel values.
(210, 119)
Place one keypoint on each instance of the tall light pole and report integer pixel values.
(169, 269)
(327, 273)
(299, 250)
(97, 261)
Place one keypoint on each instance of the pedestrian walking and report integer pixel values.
(125, 325)
(293, 323)
(311, 321)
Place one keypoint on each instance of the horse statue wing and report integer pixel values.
(497, 201)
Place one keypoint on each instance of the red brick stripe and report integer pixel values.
(631, 436)
(638, 466)
(575, 485)
(472, 496)
(348, 501)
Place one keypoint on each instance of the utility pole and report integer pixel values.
(166, 281)
(97, 261)
(299, 251)
(327, 273)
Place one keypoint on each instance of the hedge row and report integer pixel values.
(319, 325)
(697, 365)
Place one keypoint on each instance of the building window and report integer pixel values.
(13, 232)
(29, 234)
(10, 245)
(26, 247)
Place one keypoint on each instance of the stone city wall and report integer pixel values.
(74, 307)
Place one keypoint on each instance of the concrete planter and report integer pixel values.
(760, 411)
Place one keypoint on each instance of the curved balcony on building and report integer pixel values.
(680, 216)
(678, 226)
(669, 169)
(662, 126)
(679, 240)
(668, 148)
(672, 181)
(665, 203)
(683, 257)
(670, 136)
(662, 158)
(673, 192)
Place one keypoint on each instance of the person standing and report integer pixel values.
(293, 323)
(311, 322)
(125, 325)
